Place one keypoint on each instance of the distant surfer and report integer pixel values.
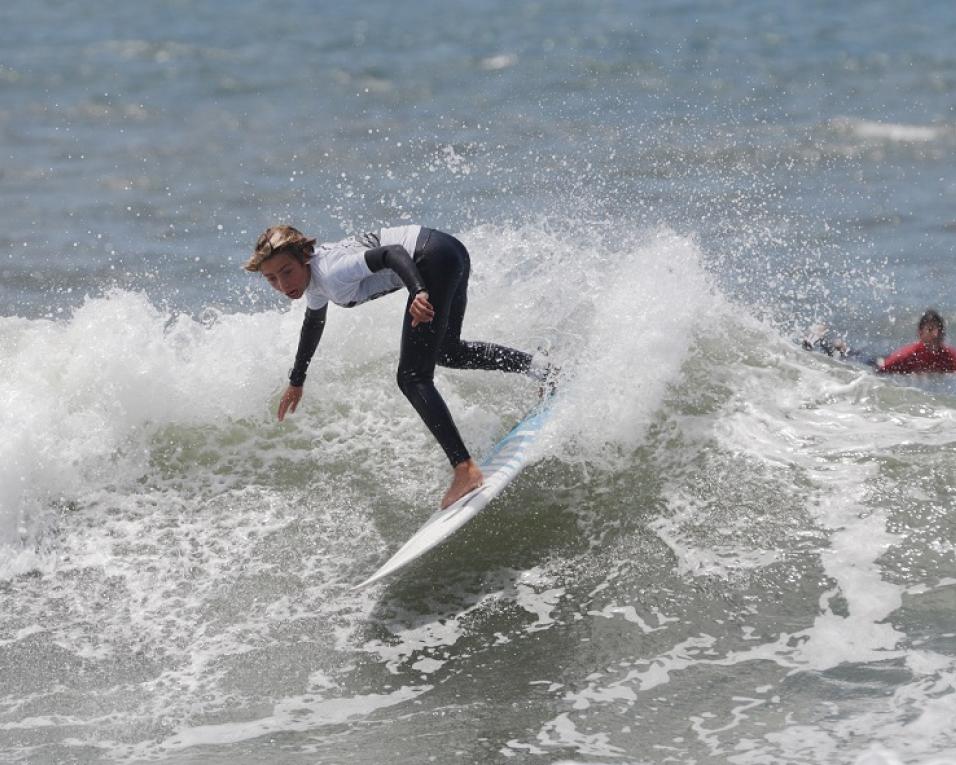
(434, 267)
(820, 336)
(928, 354)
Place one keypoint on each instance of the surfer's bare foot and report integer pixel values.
(467, 478)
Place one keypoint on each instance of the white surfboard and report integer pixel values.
(506, 460)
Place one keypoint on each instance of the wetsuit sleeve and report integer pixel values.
(312, 326)
(396, 257)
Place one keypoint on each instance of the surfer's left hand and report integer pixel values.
(421, 310)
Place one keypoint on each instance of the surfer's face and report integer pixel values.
(286, 274)
(931, 334)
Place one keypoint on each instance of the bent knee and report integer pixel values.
(409, 379)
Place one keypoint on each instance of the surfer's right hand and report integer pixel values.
(421, 309)
(290, 400)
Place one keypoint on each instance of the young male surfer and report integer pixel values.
(928, 354)
(434, 268)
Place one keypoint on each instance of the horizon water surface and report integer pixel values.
(725, 549)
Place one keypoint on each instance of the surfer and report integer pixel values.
(434, 267)
(928, 354)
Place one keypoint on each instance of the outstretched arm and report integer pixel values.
(312, 326)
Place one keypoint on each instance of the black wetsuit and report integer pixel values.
(441, 267)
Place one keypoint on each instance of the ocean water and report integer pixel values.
(725, 550)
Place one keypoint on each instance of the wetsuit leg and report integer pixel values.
(420, 346)
(463, 354)
(444, 265)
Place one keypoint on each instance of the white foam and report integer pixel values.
(103, 427)
(561, 732)
(620, 318)
(889, 131)
(83, 391)
(88, 393)
(818, 432)
(291, 714)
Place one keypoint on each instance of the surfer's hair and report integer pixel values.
(932, 317)
(284, 240)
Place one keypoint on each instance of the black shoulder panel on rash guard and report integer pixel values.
(312, 326)
(396, 257)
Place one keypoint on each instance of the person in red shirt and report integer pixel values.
(928, 354)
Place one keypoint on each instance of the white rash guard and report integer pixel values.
(340, 274)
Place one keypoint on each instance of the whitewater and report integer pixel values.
(724, 549)
(736, 551)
